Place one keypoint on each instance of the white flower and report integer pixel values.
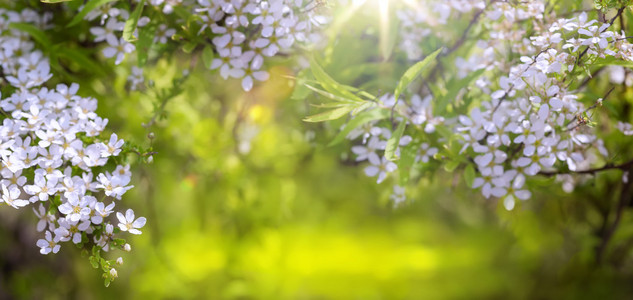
(118, 48)
(398, 196)
(44, 217)
(128, 223)
(486, 180)
(163, 33)
(368, 151)
(48, 244)
(425, 153)
(513, 191)
(380, 167)
(11, 196)
(249, 74)
(41, 189)
(74, 208)
(136, 79)
(113, 148)
(102, 33)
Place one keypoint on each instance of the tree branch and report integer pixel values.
(461, 40)
(472, 22)
(609, 166)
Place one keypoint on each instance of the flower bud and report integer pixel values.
(119, 261)
(127, 247)
(113, 273)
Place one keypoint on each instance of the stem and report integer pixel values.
(580, 119)
(609, 166)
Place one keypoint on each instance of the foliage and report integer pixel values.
(263, 195)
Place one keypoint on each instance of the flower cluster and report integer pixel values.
(246, 32)
(374, 137)
(532, 122)
(112, 23)
(243, 32)
(52, 157)
(504, 19)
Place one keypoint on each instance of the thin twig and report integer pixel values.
(461, 40)
(512, 87)
(472, 22)
(609, 166)
(580, 119)
(143, 154)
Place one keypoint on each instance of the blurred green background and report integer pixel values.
(291, 220)
(244, 201)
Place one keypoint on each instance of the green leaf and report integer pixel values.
(450, 166)
(132, 22)
(90, 6)
(330, 114)
(362, 107)
(207, 56)
(330, 95)
(360, 119)
(331, 85)
(189, 47)
(453, 87)
(54, 1)
(469, 175)
(407, 158)
(414, 72)
(394, 141)
(104, 265)
(37, 34)
(330, 105)
(144, 43)
(94, 263)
